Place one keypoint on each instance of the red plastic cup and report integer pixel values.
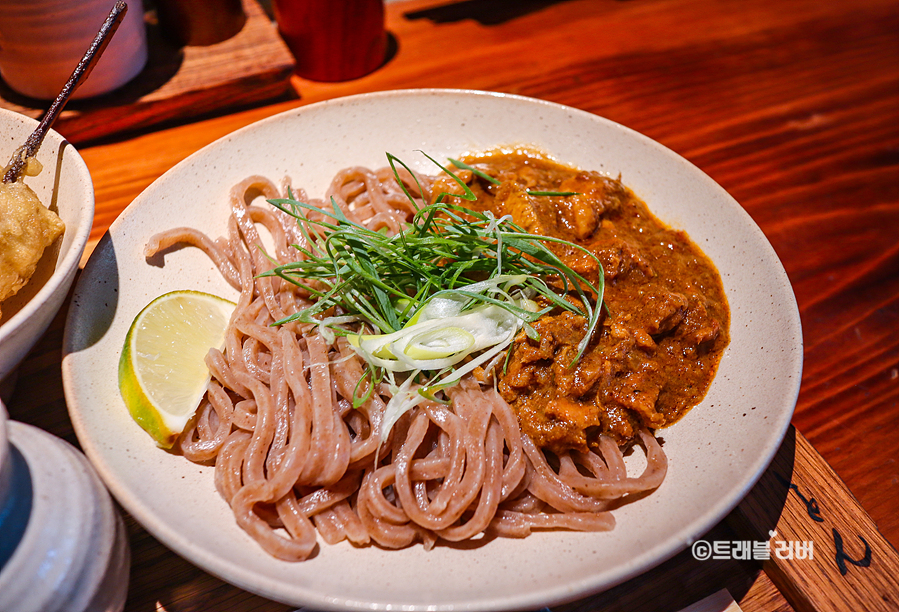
(333, 40)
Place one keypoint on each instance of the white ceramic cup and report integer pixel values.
(41, 42)
(70, 551)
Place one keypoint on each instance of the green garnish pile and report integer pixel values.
(426, 289)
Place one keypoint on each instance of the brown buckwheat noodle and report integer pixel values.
(295, 460)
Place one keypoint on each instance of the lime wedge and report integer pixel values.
(162, 372)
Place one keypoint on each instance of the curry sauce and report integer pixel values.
(665, 321)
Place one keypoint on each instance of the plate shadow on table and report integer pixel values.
(104, 258)
(485, 12)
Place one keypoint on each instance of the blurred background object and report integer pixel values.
(333, 41)
(200, 22)
(41, 42)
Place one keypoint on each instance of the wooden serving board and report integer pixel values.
(179, 83)
(827, 554)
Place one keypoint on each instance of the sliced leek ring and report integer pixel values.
(439, 343)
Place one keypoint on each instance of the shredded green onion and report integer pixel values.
(454, 285)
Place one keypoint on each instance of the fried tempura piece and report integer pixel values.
(26, 229)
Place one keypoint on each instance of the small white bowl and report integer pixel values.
(64, 185)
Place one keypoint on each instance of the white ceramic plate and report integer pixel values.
(716, 453)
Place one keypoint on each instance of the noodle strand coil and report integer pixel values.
(294, 459)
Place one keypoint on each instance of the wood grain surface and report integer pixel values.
(826, 554)
(792, 106)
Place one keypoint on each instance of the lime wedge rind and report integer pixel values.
(162, 370)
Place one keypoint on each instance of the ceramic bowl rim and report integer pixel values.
(72, 257)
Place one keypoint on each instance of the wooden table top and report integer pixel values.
(792, 106)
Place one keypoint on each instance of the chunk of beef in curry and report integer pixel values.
(666, 320)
